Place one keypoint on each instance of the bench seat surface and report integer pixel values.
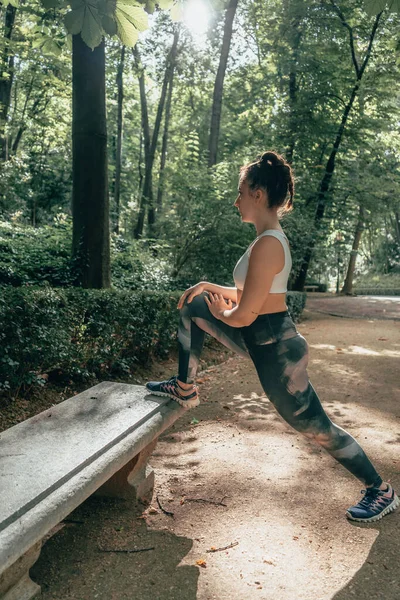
(40, 454)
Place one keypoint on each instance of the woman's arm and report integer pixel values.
(230, 293)
(266, 260)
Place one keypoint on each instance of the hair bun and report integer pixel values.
(271, 159)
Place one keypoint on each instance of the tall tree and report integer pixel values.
(150, 140)
(6, 77)
(219, 83)
(164, 145)
(90, 202)
(324, 185)
(118, 150)
(348, 282)
(88, 23)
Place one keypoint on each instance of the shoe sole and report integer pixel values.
(394, 504)
(186, 403)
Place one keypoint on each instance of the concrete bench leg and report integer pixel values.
(135, 481)
(15, 583)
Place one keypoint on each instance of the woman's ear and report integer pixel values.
(260, 196)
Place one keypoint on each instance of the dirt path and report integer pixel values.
(360, 307)
(283, 500)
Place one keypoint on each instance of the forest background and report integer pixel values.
(119, 168)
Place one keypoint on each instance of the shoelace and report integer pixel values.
(370, 495)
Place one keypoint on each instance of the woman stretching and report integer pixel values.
(252, 319)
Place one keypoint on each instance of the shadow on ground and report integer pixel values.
(378, 578)
(73, 564)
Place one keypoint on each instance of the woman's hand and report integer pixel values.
(217, 304)
(190, 293)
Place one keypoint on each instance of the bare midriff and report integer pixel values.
(273, 304)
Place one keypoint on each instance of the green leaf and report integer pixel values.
(51, 3)
(74, 20)
(106, 7)
(109, 25)
(135, 14)
(39, 41)
(150, 6)
(14, 3)
(92, 30)
(194, 421)
(128, 34)
(165, 4)
(128, 3)
(75, 4)
(373, 7)
(51, 47)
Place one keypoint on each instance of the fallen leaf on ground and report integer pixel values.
(201, 563)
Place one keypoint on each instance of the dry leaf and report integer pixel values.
(201, 563)
(152, 510)
(382, 339)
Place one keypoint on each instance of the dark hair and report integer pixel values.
(273, 174)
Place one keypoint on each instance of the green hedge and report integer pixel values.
(52, 334)
(296, 302)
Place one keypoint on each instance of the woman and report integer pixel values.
(252, 319)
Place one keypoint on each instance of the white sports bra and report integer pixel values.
(279, 282)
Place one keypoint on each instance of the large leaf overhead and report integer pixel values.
(95, 18)
(92, 29)
(131, 19)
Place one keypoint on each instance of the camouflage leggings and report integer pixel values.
(280, 355)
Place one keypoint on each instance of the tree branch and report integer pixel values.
(351, 38)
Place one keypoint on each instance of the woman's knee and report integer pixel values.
(197, 307)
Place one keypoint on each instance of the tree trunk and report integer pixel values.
(397, 225)
(330, 166)
(138, 231)
(150, 144)
(118, 153)
(219, 83)
(170, 67)
(348, 282)
(22, 128)
(90, 201)
(295, 34)
(6, 78)
(165, 141)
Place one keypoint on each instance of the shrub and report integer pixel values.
(296, 302)
(80, 334)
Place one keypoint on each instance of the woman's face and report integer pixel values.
(245, 201)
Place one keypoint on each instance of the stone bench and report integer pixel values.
(96, 442)
(311, 288)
